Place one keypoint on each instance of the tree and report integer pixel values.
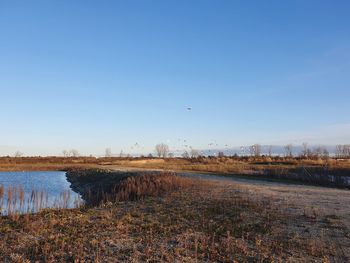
(318, 151)
(194, 153)
(108, 152)
(242, 150)
(162, 150)
(346, 150)
(65, 153)
(342, 151)
(18, 154)
(221, 154)
(185, 155)
(289, 150)
(325, 153)
(338, 150)
(255, 150)
(74, 153)
(305, 151)
(270, 150)
(321, 151)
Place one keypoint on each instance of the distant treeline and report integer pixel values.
(162, 150)
(100, 160)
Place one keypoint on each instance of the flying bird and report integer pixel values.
(189, 108)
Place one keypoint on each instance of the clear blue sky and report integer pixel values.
(96, 74)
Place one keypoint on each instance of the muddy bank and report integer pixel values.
(98, 186)
(92, 183)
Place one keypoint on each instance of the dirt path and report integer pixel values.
(326, 200)
(327, 208)
(329, 201)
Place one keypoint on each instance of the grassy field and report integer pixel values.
(162, 217)
(179, 220)
(327, 171)
(210, 164)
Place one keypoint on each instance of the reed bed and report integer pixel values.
(206, 222)
(138, 187)
(15, 201)
(100, 186)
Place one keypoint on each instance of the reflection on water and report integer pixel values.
(30, 192)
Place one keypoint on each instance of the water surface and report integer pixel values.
(39, 188)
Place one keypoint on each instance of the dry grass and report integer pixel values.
(138, 187)
(101, 186)
(327, 171)
(213, 164)
(195, 221)
(14, 201)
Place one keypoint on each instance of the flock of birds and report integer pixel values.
(182, 146)
(183, 143)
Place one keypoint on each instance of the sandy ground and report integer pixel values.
(328, 201)
(329, 208)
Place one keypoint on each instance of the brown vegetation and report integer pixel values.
(327, 172)
(102, 186)
(14, 201)
(322, 171)
(45, 163)
(202, 222)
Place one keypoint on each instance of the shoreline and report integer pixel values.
(261, 174)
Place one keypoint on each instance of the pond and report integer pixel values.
(32, 191)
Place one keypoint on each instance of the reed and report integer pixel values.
(2, 191)
(202, 222)
(133, 187)
(9, 199)
(21, 198)
(18, 202)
